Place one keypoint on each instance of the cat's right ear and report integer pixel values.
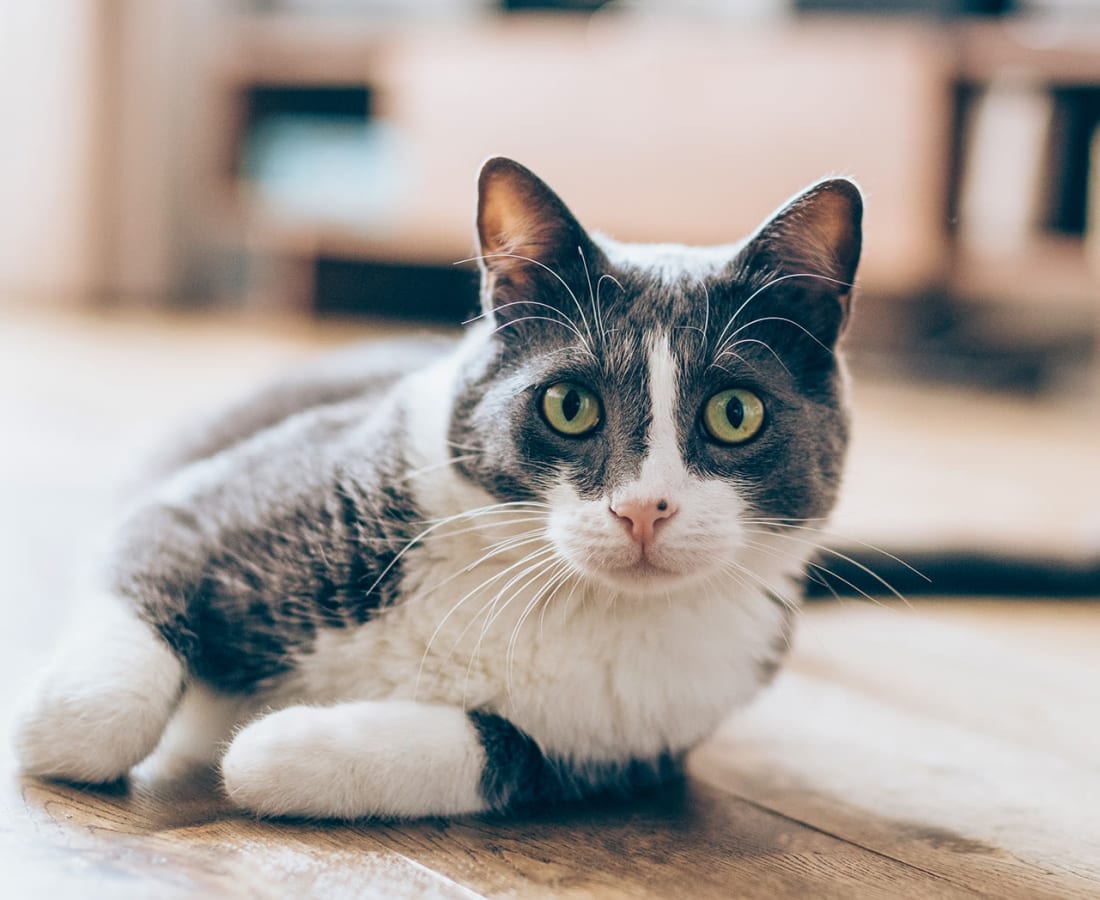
(526, 235)
(815, 240)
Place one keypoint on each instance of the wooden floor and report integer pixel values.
(940, 749)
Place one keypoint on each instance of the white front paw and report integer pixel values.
(81, 726)
(101, 707)
(357, 759)
(266, 768)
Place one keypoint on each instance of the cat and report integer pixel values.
(530, 566)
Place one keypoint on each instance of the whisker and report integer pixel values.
(438, 524)
(511, 322)
(798, 524)
(731, 351)
(786, 321)
(546, 592)
(569, 600)
(424, 470)
(483, 525)
(814, 571)
(772, 283)
(593, 299)
(457, 605)
(706, 313)
(599, 283)
(531, 573)
(826, 549)
(546, 268)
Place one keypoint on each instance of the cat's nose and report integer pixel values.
(641, 516)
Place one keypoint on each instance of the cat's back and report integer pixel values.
(361, 372)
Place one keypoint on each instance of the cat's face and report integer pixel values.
(666, 404)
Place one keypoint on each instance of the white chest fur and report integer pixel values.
(642, 677)
(592, 676)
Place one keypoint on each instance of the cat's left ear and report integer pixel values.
(814, 240)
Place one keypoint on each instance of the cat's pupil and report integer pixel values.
(735, 411)
(571, 405)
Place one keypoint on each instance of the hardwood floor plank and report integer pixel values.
(969, 807)
(1052, 627)
(693, 842)
(690, 840)
(140, 844)
(1026, 673)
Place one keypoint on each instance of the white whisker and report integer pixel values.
(546, 268)
(771, 283)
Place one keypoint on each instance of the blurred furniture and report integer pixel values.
(650, 130)
(326, 163)
(1027, 107)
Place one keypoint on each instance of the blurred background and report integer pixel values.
(190, 190)
(317, 156)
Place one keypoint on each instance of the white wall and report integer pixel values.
(47, 150)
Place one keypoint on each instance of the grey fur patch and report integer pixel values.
(299, 531)
(359, 371)
(517, 776)
(518, 454)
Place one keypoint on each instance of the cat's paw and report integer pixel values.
(99, 709)
(356, 760)
(267, 768)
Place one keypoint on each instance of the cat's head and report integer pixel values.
(666, 403)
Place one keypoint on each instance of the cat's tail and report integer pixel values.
(853, 572)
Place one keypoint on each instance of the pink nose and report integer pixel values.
(642, 516)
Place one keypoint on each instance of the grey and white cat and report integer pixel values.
(534, 565)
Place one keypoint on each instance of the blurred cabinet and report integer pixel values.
(1023, 235)
(651, 131)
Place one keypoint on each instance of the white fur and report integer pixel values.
(670, 261)
(198, 734)
(604, 675)
(357, 759)
(663, 473)
(101, 706)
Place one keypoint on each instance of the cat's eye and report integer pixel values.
(571, 409)
(733, 416)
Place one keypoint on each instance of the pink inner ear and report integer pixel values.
(514, 222)
(505, 217)
(830, 222)
(519, 216)
(819, 233)
(517, 232)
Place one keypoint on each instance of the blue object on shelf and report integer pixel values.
(327, 170)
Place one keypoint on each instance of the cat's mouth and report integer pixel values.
(644, 573)
(643, 567)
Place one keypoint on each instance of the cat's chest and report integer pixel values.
(587, 675)
(642, 681)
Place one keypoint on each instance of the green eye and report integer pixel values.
(571, 409)
(733, 416)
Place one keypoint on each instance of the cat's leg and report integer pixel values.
(391, 759)
(201, 728)
(102, 704)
